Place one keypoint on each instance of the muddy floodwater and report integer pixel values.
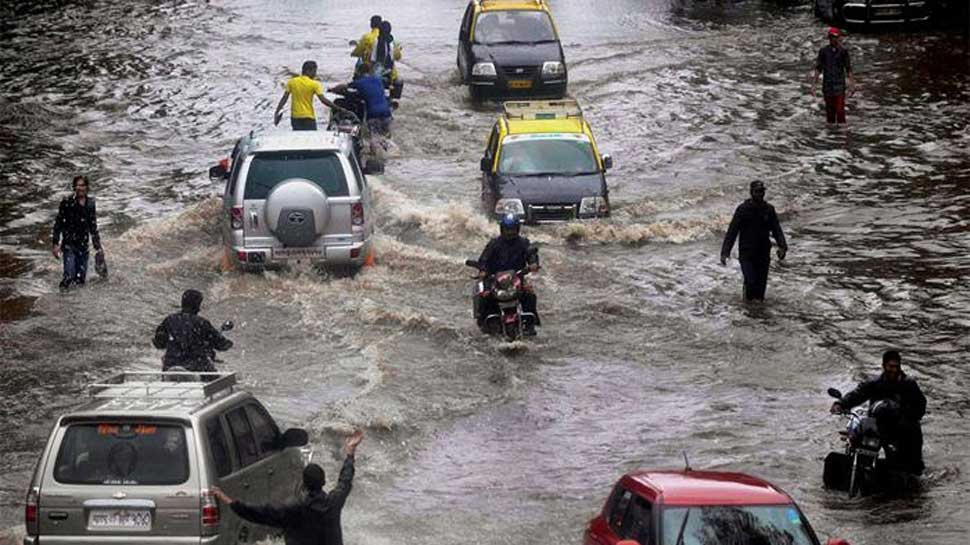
(646, 350)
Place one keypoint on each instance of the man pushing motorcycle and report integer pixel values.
(509, 252)
(899, 421)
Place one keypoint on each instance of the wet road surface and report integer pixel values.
(647, 350)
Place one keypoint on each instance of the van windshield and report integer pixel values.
(552, 156)
(268, 169)
(513, 27)
(133, 453)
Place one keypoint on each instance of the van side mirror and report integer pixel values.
(218, 172)
(486, 164)
(294, 437)
(607, 161)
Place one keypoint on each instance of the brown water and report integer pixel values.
(646, 350)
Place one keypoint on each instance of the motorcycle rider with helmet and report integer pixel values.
(189, 340)
(509, 251)
(898, 420)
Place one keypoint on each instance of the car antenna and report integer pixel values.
(687, 462)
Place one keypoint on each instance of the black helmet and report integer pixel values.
(192, 301)
(509, 225)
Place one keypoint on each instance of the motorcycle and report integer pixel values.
(394, 88)
(866, 464)
(177, 373)
(505, 288)
(354, 123)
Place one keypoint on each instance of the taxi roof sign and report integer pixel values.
(542, 109)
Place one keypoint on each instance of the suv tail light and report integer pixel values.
(236, 217)
(30, 510)
(209, 508)
(357, 214)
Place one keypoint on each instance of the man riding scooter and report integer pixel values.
(508, 252)
(898, 421)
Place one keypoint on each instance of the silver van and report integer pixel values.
(295, 196)
(136, 464)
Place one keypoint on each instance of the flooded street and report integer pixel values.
(646, 351)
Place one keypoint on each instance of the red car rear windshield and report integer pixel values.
(115, 453)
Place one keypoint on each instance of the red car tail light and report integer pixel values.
(209, 508)
(357, 214)
(30, 510)
(236, 217)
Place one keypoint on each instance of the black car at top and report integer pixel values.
(511, 48)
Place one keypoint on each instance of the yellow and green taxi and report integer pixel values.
(511, 48)
(542, 164)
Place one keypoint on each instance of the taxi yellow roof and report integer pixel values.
(494, 5)
(533, 126)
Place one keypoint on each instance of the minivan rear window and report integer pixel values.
(320, 167)
(133, 453)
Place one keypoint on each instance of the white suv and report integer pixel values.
(295, 196)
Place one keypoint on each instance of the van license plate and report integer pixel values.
(139, 520)
(520, 84)
(297, 253)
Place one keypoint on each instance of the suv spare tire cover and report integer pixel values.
(297, 211)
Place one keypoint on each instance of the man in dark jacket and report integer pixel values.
(76, 220)
(901, 425)
(313, 519)
(833, 65)
(189, 339)
(509, 252)
(754, 220)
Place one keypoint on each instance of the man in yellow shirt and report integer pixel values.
(365, 46)
(303, 88)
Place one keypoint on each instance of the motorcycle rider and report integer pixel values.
(900, 426)
(509, 251)
(364, 47)
(189, 339)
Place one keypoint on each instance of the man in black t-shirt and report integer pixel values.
(834, 67)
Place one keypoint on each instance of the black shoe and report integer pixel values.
(529, 330)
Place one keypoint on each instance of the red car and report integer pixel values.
(699, 508)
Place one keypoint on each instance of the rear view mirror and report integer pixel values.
(227, 325)
(294, 437)
(835, 393)
(486, 164)
(607, 161)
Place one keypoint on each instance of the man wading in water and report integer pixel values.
(834, 67)
(754, 220)
(76, 219)
(303, 88)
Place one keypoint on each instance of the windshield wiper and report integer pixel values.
(683, 526)
(581, 173)
(511, 42)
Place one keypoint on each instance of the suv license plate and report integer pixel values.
(120, 519)
(297, 253)
(520, 84)
(888, 12)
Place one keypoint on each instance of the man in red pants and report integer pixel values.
(834, 67)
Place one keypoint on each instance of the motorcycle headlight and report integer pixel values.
(485, 69)
(509, 206)
(871, 442)
(592, 206)
(552, 69)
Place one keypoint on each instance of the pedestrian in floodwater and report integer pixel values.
(77, 219)
(302, 89)
(189, 339)
(754, 221)
(313, 518)
(833, 65)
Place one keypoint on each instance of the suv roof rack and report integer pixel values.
(542, 109)
(163, 386)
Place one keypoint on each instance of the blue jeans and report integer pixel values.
(75, 265)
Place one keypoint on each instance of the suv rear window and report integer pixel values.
(133, 453)
(320, 167)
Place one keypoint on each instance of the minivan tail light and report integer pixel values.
(209, 508)
(30, 510)
(357, 214)
(236, 217)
